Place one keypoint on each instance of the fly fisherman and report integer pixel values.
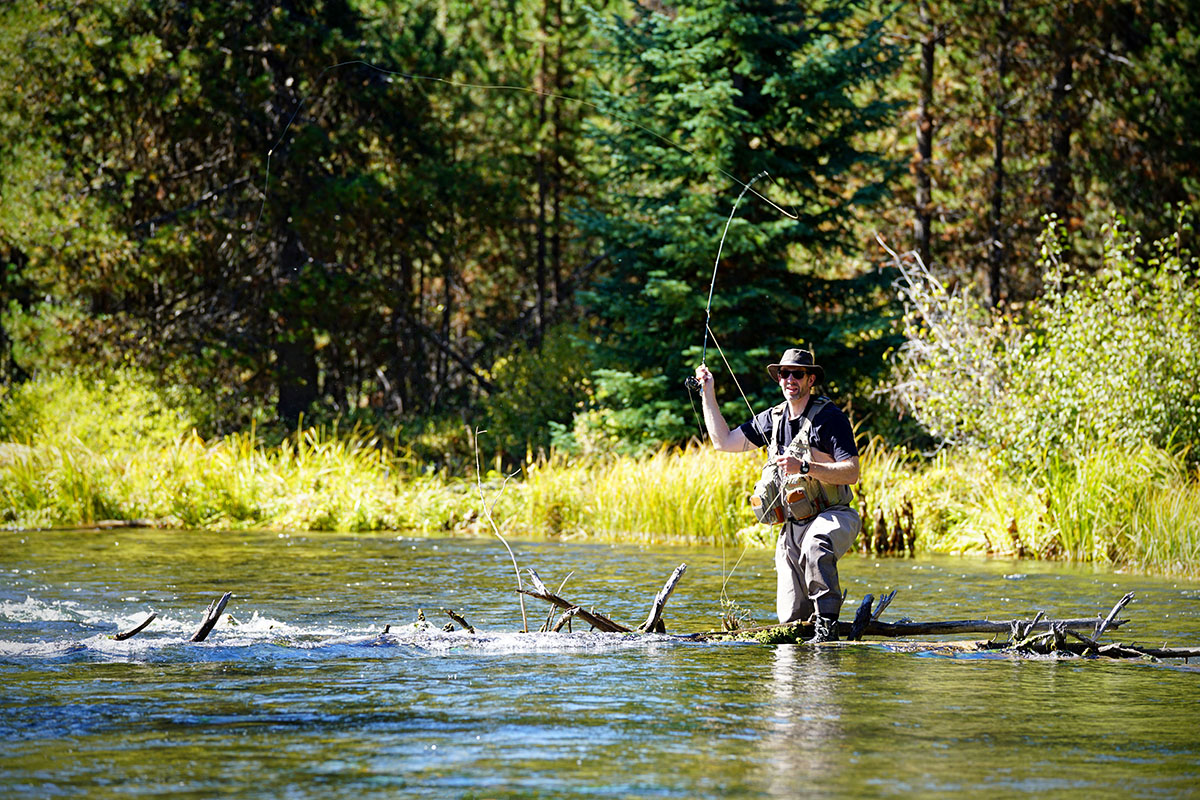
(812, 463)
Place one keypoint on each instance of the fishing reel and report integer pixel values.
(691, 383)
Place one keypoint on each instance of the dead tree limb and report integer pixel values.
(136, 629)
(215, 608)
(597, 621)
(654, 620)
(564, 619)
(461, 620)
(884, 602)
(1112, 615)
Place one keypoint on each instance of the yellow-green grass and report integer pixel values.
(309, 482)
(1139, 510)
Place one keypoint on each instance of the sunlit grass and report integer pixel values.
(1138, 509)
(311, 481)
(694, 494)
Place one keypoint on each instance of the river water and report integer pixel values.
(298, 694)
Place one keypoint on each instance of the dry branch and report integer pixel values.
(597, 621)
(1112, 615)
(211, 616)
(654, 620)
(136, 629)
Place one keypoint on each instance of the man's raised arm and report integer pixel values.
(730, 441)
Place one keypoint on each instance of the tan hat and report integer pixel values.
(795, 357)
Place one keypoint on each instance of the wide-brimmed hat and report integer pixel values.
(795, 357)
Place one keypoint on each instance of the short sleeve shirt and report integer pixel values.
(831, 432)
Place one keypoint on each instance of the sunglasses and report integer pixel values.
(799, 374)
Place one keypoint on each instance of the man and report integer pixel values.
(809, 547)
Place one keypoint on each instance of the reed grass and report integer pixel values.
(312, 481)
(1138, 509)
(693, 494)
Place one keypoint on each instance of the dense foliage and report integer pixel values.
(223, 196)
(738, 88)
(1103, 358)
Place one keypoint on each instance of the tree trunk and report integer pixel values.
(295, 354)
(1061, 194)
(997, 244)
(923, 216)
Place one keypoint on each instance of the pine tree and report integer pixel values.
(738, 87)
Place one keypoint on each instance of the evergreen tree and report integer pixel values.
(738, 87)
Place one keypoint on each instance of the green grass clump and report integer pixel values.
(311, 481)
(694, 494)
(1127, 508)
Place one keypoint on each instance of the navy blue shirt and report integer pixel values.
(831, 432)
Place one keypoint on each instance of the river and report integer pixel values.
(298, 694)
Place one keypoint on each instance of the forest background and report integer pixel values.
(276, 263)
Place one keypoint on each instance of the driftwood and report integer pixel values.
(215, 608)
(654, 621)
(597, 621)
(461, 620)
(136, 629)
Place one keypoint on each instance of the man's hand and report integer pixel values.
(703, 376)
(789, 465)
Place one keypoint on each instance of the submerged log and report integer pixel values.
(215, 608)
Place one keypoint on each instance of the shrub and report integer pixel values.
(121, 410)
(1103, 358)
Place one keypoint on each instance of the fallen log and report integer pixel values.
(899, 630)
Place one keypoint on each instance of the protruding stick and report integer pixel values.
(459, 619)
(654, 620)
(1111, 616)
(564, 619)
(215, 609)
(135, 630)
(861, 618)
(884, 602)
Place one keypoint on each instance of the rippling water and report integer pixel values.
(299, 693)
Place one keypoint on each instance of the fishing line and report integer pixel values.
(500, 87)
(712, 284)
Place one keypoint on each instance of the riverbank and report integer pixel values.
(1140, 511)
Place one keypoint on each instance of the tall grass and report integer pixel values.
(693, 494)
(312, 481)
(1139, 509)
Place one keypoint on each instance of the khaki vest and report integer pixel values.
(777, 496)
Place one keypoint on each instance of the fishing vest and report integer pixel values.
(778, 497)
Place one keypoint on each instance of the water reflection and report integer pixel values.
(804, 728)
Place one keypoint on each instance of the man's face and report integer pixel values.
(796, 382)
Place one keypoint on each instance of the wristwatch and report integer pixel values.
(803, 467)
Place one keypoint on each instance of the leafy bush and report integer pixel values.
(632, 418)
(1108, 357)
(535, 388)
(120, 411)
